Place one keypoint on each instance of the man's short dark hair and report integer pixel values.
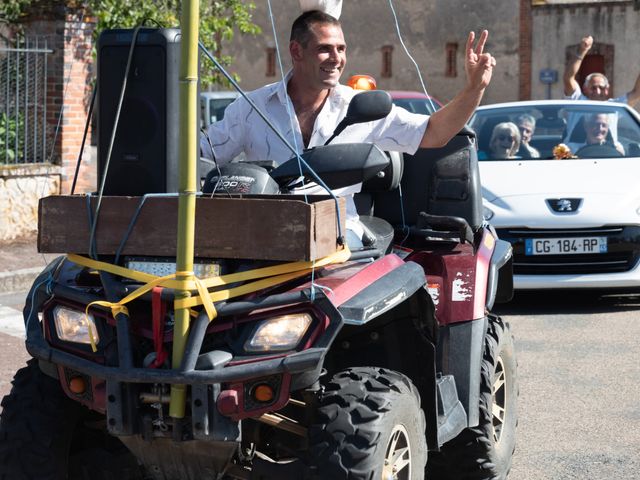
(301, 28)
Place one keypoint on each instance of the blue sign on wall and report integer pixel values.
(548, 76)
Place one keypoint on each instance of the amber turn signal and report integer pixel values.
(263, 393)
(362, 82)
(77, 385)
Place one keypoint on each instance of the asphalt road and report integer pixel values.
(579, 386)
(579, 379)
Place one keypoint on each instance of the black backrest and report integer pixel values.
(387, 180)
(439, 181)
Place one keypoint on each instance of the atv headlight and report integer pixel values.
(73, 325)
(278, 334)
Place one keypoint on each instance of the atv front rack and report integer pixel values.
(201, 375)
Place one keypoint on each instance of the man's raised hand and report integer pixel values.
(478, 64)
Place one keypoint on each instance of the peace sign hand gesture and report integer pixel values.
(478, 65)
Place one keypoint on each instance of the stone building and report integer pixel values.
(557, 27)
(527, 37)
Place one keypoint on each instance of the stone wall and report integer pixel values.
(426, 27)
(21, 186)
(557, 32)
(525, 37)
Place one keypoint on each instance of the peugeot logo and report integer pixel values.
(564, 205)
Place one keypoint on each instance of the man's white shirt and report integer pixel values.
(243, 130)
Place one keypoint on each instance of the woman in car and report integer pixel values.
(504, 143)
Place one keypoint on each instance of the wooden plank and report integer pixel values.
(267, 228)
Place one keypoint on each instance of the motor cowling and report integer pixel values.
(240, 178)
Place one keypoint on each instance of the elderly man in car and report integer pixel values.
(596, 128)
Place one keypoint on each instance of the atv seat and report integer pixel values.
(442, 182)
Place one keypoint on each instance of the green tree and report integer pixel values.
(219, 19)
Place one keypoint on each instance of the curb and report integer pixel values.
(18, 280)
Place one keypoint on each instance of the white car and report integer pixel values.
(213, 105)
(571, 211)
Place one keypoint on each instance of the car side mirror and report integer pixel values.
(364, 107)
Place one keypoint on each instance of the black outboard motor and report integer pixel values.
(240, 178)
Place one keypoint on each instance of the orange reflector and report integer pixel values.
(77, 385)
(263, 393)
(362, 82)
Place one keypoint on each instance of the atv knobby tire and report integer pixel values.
(43, 435)
(485, 451)
(369, 425)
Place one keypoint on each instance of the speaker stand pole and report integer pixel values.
(187, 187)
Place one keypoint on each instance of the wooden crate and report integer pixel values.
(266, 228)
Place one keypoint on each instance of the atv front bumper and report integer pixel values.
(217, 386)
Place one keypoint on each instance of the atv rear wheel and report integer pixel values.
(43, 435)
(486, 451)
(369, 425)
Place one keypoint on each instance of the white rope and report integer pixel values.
(424, 88)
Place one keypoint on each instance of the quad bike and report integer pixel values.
(370, 368)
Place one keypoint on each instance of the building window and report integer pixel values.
(387, 55)
(451, 69)
(271, 62)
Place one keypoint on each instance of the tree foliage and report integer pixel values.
(219, 19)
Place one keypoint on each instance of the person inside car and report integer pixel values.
(504, 142)
(310, 102)
(527, 126)
(596, 127)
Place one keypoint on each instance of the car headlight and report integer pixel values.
(487, 213)
(73, 325)
(278, 334)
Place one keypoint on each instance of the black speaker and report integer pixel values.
(144, 158)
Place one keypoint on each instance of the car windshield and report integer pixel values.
(556, 131)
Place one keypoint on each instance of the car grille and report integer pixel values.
(622, 255)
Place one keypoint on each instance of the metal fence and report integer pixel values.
(24, 132)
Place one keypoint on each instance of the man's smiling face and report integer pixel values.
(323, 58)
(597, 128)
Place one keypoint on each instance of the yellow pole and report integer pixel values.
(187, 185)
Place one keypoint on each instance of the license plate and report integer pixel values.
(564, 246)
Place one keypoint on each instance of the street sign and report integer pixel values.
(548, 76)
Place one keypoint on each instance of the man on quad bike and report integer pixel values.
(331, 368)
(312, 89)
